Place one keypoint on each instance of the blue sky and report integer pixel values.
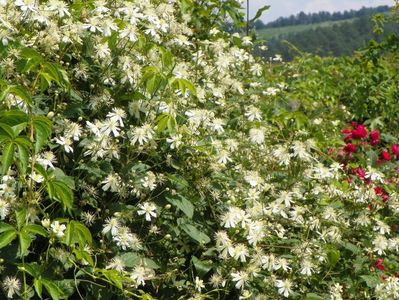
(288, 7)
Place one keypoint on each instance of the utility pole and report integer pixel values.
(247, 17)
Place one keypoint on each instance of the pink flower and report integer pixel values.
(360, 172)
(385, 155)
(379, 264)
(395, 150)
(381, 193)
(374, 137)
(350, 148)
(360, 132)
(379, 190)
(348, 134)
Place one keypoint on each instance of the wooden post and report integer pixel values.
(247, 17)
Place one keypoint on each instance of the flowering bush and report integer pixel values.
(145, 155)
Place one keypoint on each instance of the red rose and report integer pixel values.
(346, 131)
(379, 190)
(360, 172)
(385, 155)
(379, 264)
(360, 132)
(385, 197)
(395, 150)
(374, 137)
(350, 148)
(348, 134)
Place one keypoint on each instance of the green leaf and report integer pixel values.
(23, 157)
(149, 263)
(6, 238)
(30, 53)
(24, 243)
(375, 123)
(183, 204)
(36, 229)
(114, 277)
(7, 130)
(165, 120)
(373, 157)
(166, 58)
(186, 6)
(30, 59)
(33, 269)
(13, 117)
(37, 283)
(333, 256)
(152, 79)
(194, 233)
(351, 247)
(371, 281)
(20, 216)
(259, 13)
(312, 296)
(69, 234)
(62, 193)
(45, 81)
(67, 286)
(202, 267)
(42, 128)
(22, 93)
(7, 157)
(54, 291)
(171, 124)
(130, 259)
(83, 235)
(78, 233)
(52, 72)
(23, 141)
(60, 175)
(151, 84)
(161, 121)
(84, 255)
(6, 227)
(18, 128)
(4, 139)
(40, 169)
(184, 85)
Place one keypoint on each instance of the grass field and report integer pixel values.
(268, 33)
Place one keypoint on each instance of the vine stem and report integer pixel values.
(24, 276)
(33, 161)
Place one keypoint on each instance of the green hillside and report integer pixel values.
(268, 33)
(330, 38)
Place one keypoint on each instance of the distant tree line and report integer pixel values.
(335, 40)
(322, 16)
